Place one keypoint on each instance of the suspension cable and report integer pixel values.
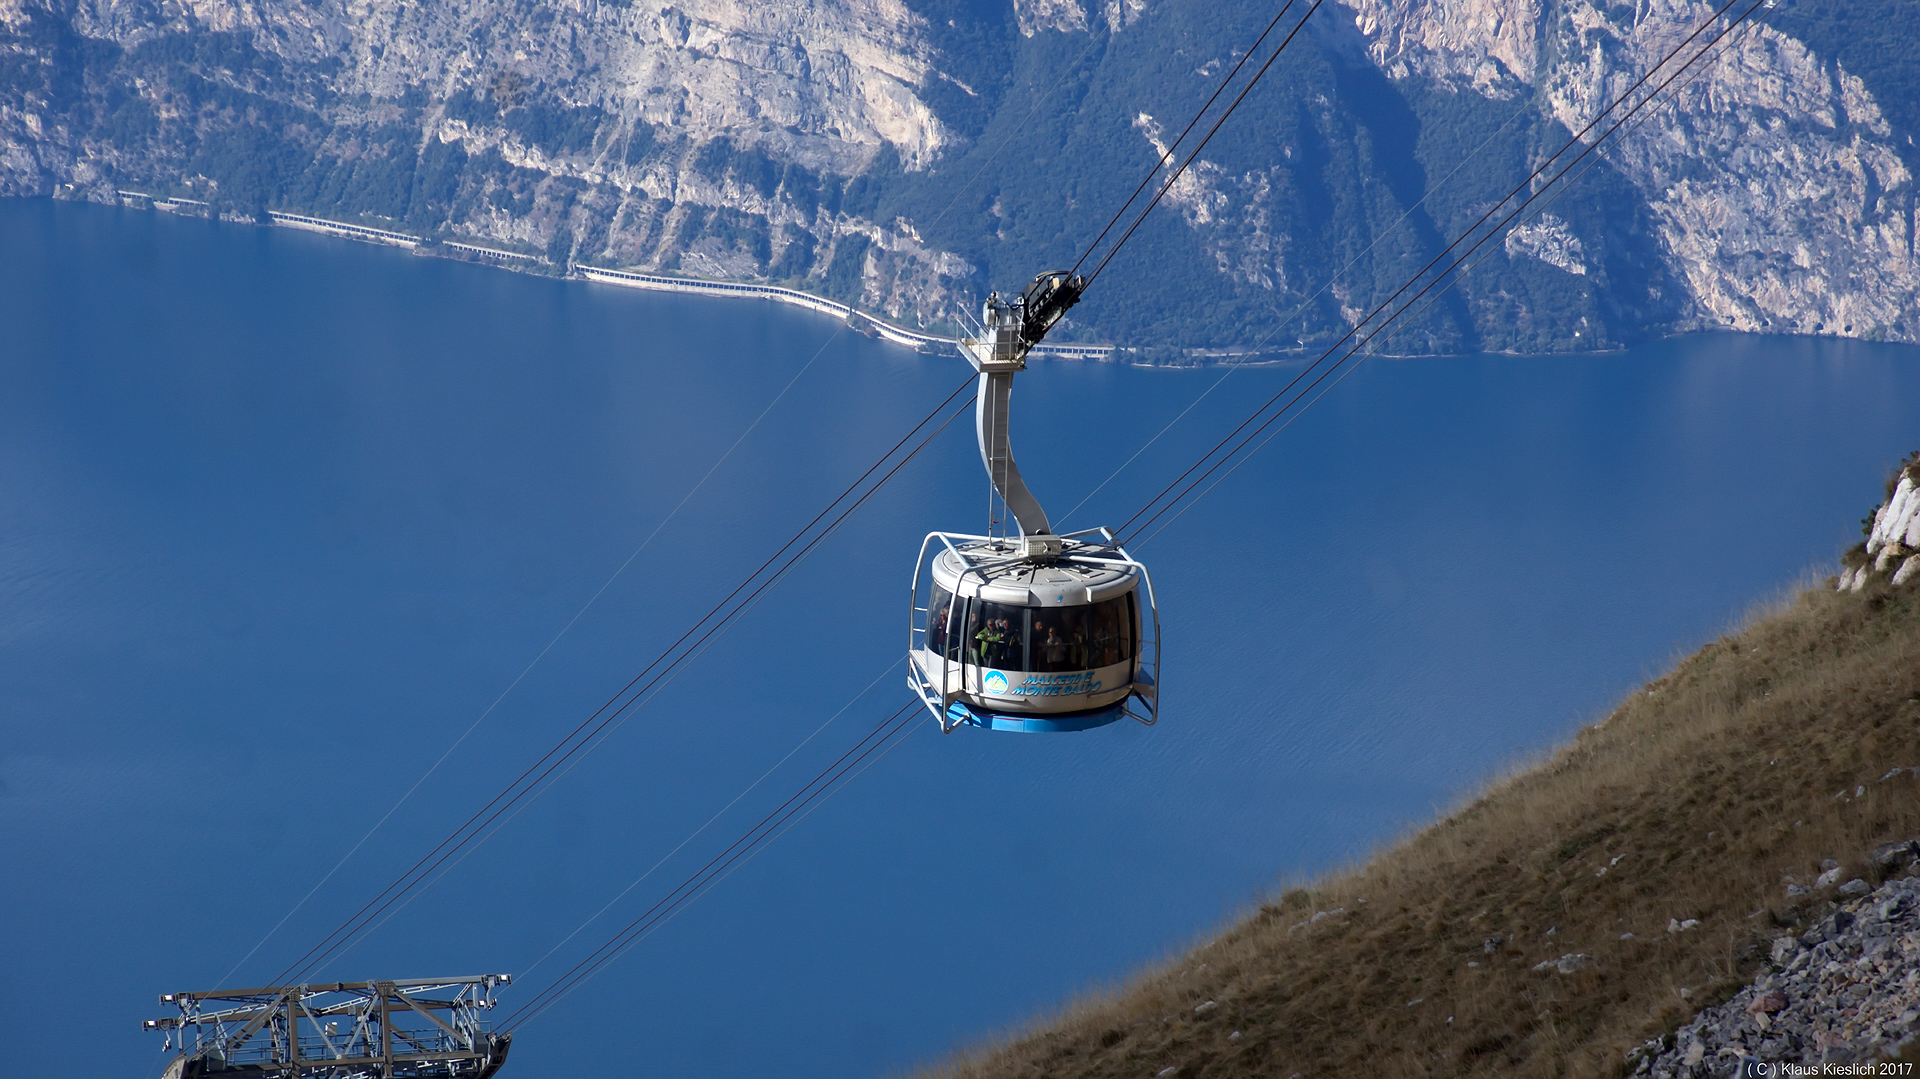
(1167, 157)
(1154, 507)
(750, 842)
(1254, 350)
(708, 823)
(995, 153)
(634, 693)
(1177, 173)
(541, 655)
(722, 615)
(463, 835)
(693, 885)
(1721, 49)
(1452, 282)
(1436, 283)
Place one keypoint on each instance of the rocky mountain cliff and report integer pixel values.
(1892, 546)
(908, 155)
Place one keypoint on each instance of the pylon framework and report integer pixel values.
(409, 1029)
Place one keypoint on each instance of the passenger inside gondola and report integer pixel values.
(938, 614)
(999, 636)
(1050, 647)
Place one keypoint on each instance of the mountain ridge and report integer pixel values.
(909, 155)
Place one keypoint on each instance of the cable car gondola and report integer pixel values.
(1034, 632)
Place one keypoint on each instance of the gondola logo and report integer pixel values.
(995, 682)
(1058, 685)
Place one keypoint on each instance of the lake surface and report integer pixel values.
(281, 515)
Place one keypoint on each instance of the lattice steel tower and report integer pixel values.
(337, 1030)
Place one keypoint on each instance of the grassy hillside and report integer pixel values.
(1700, 797)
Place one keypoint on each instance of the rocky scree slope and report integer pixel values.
(1722, 863)
(1845, 989)
(907, 155)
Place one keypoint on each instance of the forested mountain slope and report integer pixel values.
(908, 155)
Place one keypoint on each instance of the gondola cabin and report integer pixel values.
(1011, 643)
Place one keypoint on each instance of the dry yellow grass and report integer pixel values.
(1693, 800)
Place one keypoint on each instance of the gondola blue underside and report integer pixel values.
(1055, 723)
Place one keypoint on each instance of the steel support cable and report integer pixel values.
(676, 653)
(1442, 277)
(717, 866)
(1721, 48)
(468, 851)
(1524, 185)
(1452, 281)
(1441, 281)
(519, 800)
(1167, 157)
(496, 827)
(748, 841)
(734, 864)
(994, 154)
(708, 823)
(1442, 254)
(1236, 364)
(544, 1001)
(1254, 350)
(535, 662)
(785, 825)
(853, 770)
(1181, 171)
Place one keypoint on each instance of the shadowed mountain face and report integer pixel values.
(908, 155)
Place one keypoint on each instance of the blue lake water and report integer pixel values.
(280, 515)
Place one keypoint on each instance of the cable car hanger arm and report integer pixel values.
(1009, 331)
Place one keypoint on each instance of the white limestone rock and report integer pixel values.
(1548, 239)
(1779, 194)
(1573, 962)
(1061, 16)
(1908, 570)
(1897, 522)
(1893, 537)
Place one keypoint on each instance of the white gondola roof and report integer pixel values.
(1082, 574)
